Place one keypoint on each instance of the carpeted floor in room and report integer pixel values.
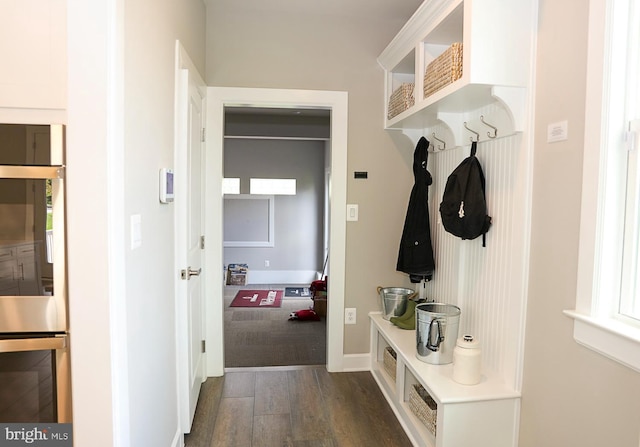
(256, 337)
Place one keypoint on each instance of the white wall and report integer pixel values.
(120, 132)
(571, 395)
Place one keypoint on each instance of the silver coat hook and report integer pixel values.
(444, 143)
(472, 131)
(495, 129)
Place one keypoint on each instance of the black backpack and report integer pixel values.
(464, 208)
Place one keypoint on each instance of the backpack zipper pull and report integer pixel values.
(461, 210)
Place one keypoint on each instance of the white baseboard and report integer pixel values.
(281, 276)
(356, 362)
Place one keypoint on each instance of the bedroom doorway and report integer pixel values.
(274, 221)
(336, 102)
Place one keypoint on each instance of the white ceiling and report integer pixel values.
(369, 10)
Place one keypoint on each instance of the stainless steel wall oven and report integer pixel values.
(34, 351)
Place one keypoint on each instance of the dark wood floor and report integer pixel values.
(294, 407)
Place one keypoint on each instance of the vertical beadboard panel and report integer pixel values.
(445, 286)
(487, 283)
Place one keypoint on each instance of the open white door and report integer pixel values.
(189, 217)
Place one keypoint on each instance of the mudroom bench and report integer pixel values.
(483, 415)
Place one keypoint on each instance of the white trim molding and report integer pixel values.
(252, 218)
(609, 337)
(337, 103)
(281, 276)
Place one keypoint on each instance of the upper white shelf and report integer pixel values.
(495, 55)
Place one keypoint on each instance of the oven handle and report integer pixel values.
(34, 344)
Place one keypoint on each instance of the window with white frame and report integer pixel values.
(630, 289)
(607, 314)
(272, 186)
(230, 185)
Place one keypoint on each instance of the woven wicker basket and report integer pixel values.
(401, 99)
(443, 70)
(389, 361)
(423, 406)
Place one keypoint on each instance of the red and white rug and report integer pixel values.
(257, 298)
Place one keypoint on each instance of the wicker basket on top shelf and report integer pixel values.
(423, 406)
(443, 70)
(401, 99)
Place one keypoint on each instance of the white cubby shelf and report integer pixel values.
(491, 98)
(482, 415)
(495, 54)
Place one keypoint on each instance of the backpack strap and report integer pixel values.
(474, 147)
(463, 180)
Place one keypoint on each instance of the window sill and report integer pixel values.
(609, 337)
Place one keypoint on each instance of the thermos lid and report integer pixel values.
(468, 342)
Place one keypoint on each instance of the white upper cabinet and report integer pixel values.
(496, 41)
(34, 56)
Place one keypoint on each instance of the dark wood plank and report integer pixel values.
(206, 412)
(272, 393)
(272, 430)
(239, 384)
(308, 416)
(233, 426)
(319, 443)
(358, 412)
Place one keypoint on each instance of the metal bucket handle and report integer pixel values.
(410, 297)
(439, 338)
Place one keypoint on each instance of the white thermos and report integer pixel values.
(467, 360)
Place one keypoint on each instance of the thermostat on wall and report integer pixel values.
(166, 185)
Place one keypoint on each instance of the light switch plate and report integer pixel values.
(352, 212)
(557, 131)
(136, 231)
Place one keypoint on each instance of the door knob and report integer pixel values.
(189, 272)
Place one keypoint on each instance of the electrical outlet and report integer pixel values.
(267, 263)
(350, 315)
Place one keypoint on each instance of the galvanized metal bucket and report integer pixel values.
(436, 332)
(394, 300)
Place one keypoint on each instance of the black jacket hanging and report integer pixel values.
(416, 252)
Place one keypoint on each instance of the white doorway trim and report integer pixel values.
(217, 99)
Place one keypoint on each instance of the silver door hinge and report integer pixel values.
(202, 242)
(204, 135)
(204, 346)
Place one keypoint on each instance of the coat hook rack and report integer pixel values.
(495, 129)
(444, 143)
(472, 131)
